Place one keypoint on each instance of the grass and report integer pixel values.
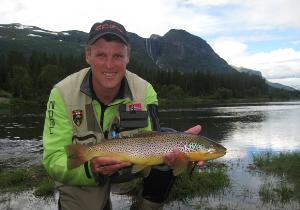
(17, 180)
(285, 165)
(202, 183)
(279, 192)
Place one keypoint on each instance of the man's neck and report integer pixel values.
(106, 96)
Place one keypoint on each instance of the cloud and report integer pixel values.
(269, 13)
(9, 8)
(229, 49)
(278, 63)
(199, 17)
(232, 27)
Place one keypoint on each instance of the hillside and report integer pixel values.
(176, 50)
(258, 73)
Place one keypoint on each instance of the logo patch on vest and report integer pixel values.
(137, 107)
(77, 116)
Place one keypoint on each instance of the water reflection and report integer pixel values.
(244, 129)
(23, 127)
(20, 140)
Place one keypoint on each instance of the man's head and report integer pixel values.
(107, 27)
(108, 53)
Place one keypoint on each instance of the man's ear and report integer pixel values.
(87, 56)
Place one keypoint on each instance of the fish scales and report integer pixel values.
(147, 149)
(146, 146)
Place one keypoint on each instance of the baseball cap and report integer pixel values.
(107, 27)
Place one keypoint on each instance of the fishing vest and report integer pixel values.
(86, 127)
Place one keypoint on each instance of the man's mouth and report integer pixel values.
(109, 74)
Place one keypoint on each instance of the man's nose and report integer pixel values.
(109, 63)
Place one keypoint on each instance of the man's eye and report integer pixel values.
(100, 55)
(118, 56)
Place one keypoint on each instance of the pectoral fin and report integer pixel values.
(181, 164)
(146, 171)
(138, 168)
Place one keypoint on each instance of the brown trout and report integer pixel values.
(148, 149)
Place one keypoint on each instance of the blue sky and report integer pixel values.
(262, 35)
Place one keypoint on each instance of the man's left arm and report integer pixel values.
(152, 107)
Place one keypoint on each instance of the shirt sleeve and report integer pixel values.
(56, 135)
(151, 96)
(151, 102)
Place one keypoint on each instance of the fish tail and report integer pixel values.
(76, 154)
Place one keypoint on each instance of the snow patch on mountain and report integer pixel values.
(34, 35)
(47, 32)
(20, 26)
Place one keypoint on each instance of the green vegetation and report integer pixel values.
(31, 77)
(176, 86)
(19, 106)
(202, 183)
(16, 180)
(285, 165)
(279, 192)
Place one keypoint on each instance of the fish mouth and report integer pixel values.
(217, 152)
(217, 149)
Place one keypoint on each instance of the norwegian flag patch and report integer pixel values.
(136, 107)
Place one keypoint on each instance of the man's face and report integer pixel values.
(108, 61)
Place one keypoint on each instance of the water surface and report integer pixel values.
(244, 129)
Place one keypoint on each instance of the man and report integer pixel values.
(102, 102)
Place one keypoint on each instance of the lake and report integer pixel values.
(244, 129)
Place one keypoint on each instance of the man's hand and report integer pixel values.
(107, 165)
(170, 157)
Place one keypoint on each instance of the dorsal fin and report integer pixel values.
(140, 135)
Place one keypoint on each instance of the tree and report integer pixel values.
(50, 75)
(21, 84)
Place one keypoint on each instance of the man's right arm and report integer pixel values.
(57, 134)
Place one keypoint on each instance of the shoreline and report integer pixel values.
(19, 106)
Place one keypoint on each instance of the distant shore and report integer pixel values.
(20, 106)
(193, 102)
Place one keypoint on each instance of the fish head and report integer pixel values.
(202, 148)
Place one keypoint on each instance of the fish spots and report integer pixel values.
(150, 149)
(193, 147)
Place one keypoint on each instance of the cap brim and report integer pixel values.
(98, 36)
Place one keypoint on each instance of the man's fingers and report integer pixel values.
(170, 158)
(107, 165)
(201, 163)
(109, 169)
(194, 130)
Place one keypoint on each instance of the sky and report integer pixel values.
(262, 35)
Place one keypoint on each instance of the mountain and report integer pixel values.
(258, 73)
(180, 50)
(176, 50)
(28, 38)
(248, 71)
(280, 86)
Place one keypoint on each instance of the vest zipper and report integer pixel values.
(103, 108)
